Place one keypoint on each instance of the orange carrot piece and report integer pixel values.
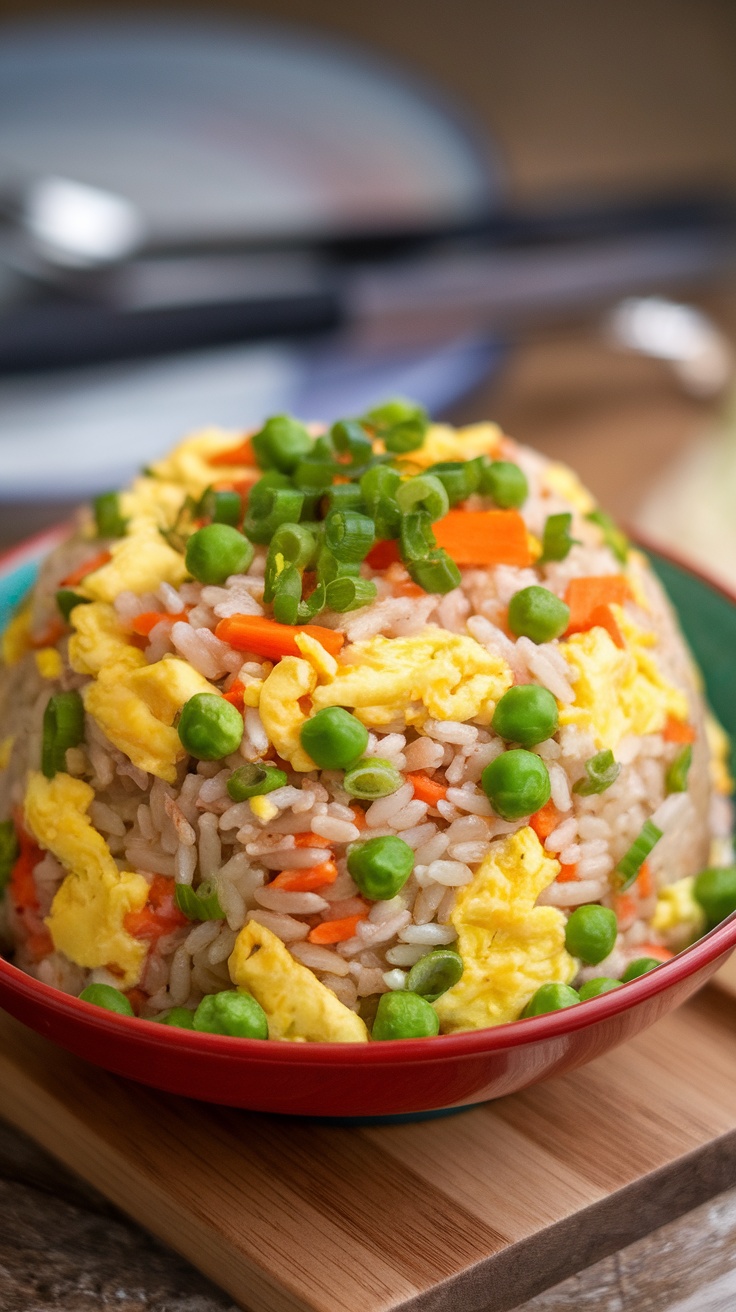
(625, 907)
(335, 931)
(655, 950)
(644, 884)
(235, 695)
(22, 884)
(136, 998)
(39, 944)
(383, 554)
(143, 624)
(484, 537)
(405, 588)
(309, 839)
(243, 454)
(303, 881)
(678, 731)
(602, 617)
(545, 820)
(160, 915)
(359, 819)
(426, 790)
(568, 874)
(266, 637)
(88, 567)
(584, 595)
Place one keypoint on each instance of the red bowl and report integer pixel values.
(409, 1076)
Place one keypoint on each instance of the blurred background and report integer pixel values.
(521, 211)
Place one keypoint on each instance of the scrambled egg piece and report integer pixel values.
(134, 703)
(48, 663)
(565, 482)
(508, 945)
(188, 464)
(618, 691)
(677, 916)
(719, 746)
(297, 1005)
(140, 562)
(445, 443)
(281, 715)
(16, 639)
(87, 913)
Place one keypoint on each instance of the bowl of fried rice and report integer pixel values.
(357, 771)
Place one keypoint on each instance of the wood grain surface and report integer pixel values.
(477, 1211)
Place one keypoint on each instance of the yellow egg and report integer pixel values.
(298, 1006)
(281, 715)
(87, 913)
(98, 641)
(719, 746)
(677, 915)
(48, 663)
(565, 482)
(188, 464)
(508, 945)
(618, 690)
(445, 443)
(141, 561)
(16, 639)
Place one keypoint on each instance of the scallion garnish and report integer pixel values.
(505, 482)
(676, 776)
(401, 424)
(371, 778)
(436, 573)
(200, 904)
(66, 600)
(633, 860)
(349, 535)
(281, 444)
(424, 493)
(459, 478)
(601, 771)
(63, 727)
(108, 516)
(9, 849)
(273, 507)
(347, 593)
(254, 780)
(350, 438)
(556, 540)
(221, 507)
(416, 539)
(613, 536)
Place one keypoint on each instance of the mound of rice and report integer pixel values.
(101, 838)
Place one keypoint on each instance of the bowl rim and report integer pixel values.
(465, 1043)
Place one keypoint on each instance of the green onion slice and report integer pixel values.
(347, 593)
(372, 777)
(63, 727)
(274, 507)
(108, 517)
(66, 600)
(436, 573)
(460, 478)
(556, 540)
(402, 424)
(349, 438)
(676, 777)
(613, 536)
(204, 904)
(287, 595)
(633, 860)
(424, 493)
(601, 771)
(9, 849)
(416, 539)
(312, 606)
(254, 780)
(220, 507)
(349, 535)
(281, 444)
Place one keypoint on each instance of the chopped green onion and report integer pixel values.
(323, 448)
(633, 860)
(506, 483)
(601, 771)
(254, 780)
(402, 424)
(436, 573)
(312, 606)
(676, 777)
(63, 727)
(343, 594)
(108, 517)
(287, 595)
(613, 536)
(371, 778)
(9, 849)
(416, 539)
(378, 486)
(329, 567)
(66, 600)
(424, 493)
(281, 444)
(349, 535)
(314, 475)
(276, 506)
(221, 507)
(345, 496)
(556, 540)
(349, 438)
(292, 544)
(460, 478)
(204, 904)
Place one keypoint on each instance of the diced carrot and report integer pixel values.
(568, 874)
(545, 820)
(602, 617)
(89, 567)
(267, 637)
(383, 554)
(654, 950)
(143, 624)
(235, 695)
(584, 595)
(426, 790)
(39, 944)
(335, 931)
(644, 883)
(303, 881)
(405, 588)
(678, 731)
(55, 630)
(22, 884)
(625, 907)
(359, 819)
(484, 537)
(136, 998)
(311, 840)
(243, 454)
(160, 915)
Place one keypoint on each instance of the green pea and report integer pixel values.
(435, 974)
(404, 1016)
(641, 966)
(104, 995)
(537, 613)
(281, 444)
(595, 987)
(334, 738)
(209, 727)
(715, 890)
(550, 997)
(231, 1012)
(381, 866)
(516, 784)
(506, 483)
(590, 933)
(180, 1017)
(526, 714)
(216, 551)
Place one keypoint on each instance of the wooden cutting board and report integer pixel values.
(473, 1212)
